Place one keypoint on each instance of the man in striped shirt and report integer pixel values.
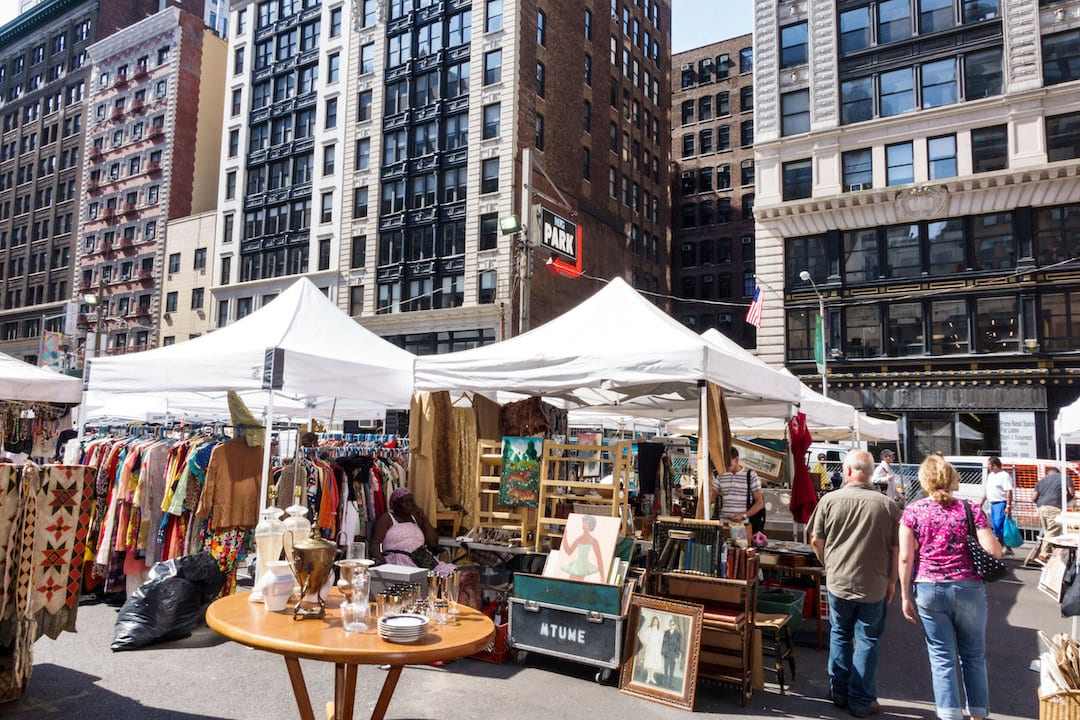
(731, 487)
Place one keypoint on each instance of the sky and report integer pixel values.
(701, 22)
(693, 22)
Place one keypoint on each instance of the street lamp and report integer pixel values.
(823, 362)
(97, 301)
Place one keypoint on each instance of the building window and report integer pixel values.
(795, 112)
(367, 58)
(941, 156)
(800, 334)
(1061, 57)
(899, 164)
(705, 140)
(487, 287)
(234, 143)
(363, 154)
(990, 148)
(854, 30)
(746, 133)
(993, 241)
(798, 180)
(894, 20)
(489, 171)
(492, 118)
(856, 100)
(861, 262)
(746, 172)
(588, 69)
(171, 301)
(945, 247)
(723, 177)
(939, 84)
(996, 324)
(793, 39)
(492, 67)
(493, 19)
(1059, 320)
(324, 253)
(539, 131)
(326, 213)
(1063, 137)
(904, 258)
(688, 145)
(541, 28)
(936, 15)
(358, 252)
(335, 18)
(746, 60)
(983, 76)
(174, 263)
(897, 91)
(904, 329)
(948, 327)
(329, 158)
(540, 79)
(723, 138)
(746, 98)
(331, 114)
(858, 169)
(360, 202)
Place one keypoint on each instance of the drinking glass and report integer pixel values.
(355, 617)
(356, 551)
(453, 587)
(442, 612)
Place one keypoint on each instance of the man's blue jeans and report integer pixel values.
(954, 621)
(853, 650)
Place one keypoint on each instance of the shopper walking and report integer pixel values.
(947, 594)
(884, 477)
(998, 489)
(854, 533)
(1048, 502)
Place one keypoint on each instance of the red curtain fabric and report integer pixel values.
(803, 497)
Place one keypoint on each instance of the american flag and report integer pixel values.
(753, 313)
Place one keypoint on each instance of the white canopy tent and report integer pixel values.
(1066, 432)
(300, 347)
(617, 352)
(23, 382)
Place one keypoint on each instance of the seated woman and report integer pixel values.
(403, 535)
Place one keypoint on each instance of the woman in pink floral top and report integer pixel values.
(939, 585)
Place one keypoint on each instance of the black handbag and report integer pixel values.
(757, 521)
(988, 567)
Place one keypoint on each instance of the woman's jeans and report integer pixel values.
(853, 650)
(954, 623)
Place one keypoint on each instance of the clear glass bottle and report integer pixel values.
(269, 541)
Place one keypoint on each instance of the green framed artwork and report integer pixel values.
(520, 486)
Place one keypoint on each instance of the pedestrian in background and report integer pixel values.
(998, 489)
(1048, 502)
(854, 533)
(947, 594)
(884, 478)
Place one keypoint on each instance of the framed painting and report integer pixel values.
(768, 463)
(663, 659)
(520, 485)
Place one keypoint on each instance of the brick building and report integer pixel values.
(406, 149)
(153, 128)
(712, 121)
(44, 78)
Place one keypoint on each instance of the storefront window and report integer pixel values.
(862, 331)
(800, 334)
(996, 327)
(948, 327)
(905, 330)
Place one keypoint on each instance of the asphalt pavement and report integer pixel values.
(207, 677)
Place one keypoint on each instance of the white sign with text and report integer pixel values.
(1017, 434)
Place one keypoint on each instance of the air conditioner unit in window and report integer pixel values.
(856, 187)
(747, 240)
(724, 317)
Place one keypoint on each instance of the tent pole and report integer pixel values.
(264, 493)
(704, 476)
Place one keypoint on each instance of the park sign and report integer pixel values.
(563, 239)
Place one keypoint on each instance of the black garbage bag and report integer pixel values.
(170, 603)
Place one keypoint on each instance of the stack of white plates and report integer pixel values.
(404, 628)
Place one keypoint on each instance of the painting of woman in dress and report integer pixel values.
(587, 549)
(650, 655)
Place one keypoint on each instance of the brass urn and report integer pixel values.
(312, 560)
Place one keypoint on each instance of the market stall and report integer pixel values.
(42, 529)
(300, 347)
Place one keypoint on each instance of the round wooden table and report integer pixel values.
(249, 623)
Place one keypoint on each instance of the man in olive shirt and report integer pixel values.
(855, 534)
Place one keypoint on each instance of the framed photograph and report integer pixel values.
(768, 463)
(663, 658)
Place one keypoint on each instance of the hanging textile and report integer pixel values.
(719, 430)
(803, 497)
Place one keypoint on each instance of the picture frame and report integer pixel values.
(766, 462)
(662, 662)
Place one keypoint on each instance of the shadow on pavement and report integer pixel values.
(59, 692)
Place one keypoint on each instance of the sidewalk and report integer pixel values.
(204, 676)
